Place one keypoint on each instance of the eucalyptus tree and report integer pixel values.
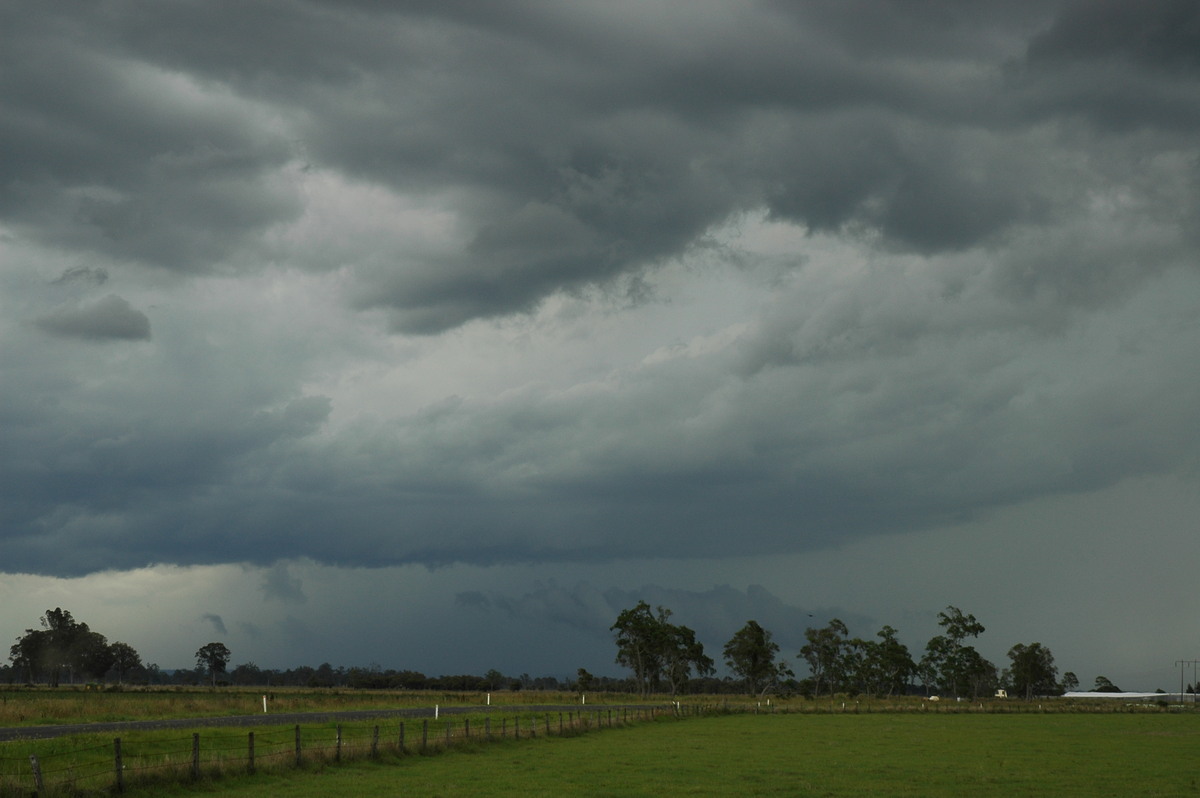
(826, 653)
(1032, 671)
(653, 647)
(750, 654)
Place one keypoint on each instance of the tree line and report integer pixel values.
(662, 655)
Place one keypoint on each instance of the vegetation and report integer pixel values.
(751, 655)
(659, 654)
(767, 755)
(653, 648)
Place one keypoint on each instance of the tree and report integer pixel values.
(680, 653)
(584, 680)
(1103, 685)
(1032, 671)
(638, 645)
(949, 664)
(886, 664)
(1069, 682)
(61, 644)
(825, 654)
(751, 655)
(651, 647)
(212, 657)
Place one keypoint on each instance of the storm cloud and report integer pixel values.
(559, 285)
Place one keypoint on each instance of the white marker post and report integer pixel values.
(435, 711)
(264, 705)
(489, 703)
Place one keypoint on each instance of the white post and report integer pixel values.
(435, 711)
(583, 698)
(489, 702)
(264, 705)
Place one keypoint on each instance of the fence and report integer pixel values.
(61, 766)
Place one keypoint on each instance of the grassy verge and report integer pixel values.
(793, 755)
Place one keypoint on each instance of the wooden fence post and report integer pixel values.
(37, 773)
(424, 734)
(119, 764)
(298, 758)
(375, 742)
(195, 756)
(250, 754)
(337, 751)
(402, 737)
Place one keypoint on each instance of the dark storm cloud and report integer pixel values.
(110, 318)
(998, 172)
(715, 614)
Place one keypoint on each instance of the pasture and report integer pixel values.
(1136, 754)
(827, 748)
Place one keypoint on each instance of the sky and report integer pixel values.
(433, 335)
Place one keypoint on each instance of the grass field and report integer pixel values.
(828, 747)
(792, 755)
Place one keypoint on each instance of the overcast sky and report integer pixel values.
(435, 334)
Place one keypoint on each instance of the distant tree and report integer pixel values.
(638, 645)
(62, 644)
(584, 680)
(1103, 685)
(886, 665)
(124, 659)
(681, 652)
(750, 654)
(1070, 682)
(652, 647)
(212, 657)
(494, 679)
(1032, 671)
(825, 652)
(952, 666)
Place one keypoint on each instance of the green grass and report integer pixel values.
(76, 704)
(789, 755)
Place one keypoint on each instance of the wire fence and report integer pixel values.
(65, 766)
(68, 766)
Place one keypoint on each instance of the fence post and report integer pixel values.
(337, 751)
(424, 734)
(487, 728)
(195, 756)
(402, 737)
(119, 764)
(250, 754)
(560, 724)
(517, 728)
(375, 742)
(37, 773)
(298, 758)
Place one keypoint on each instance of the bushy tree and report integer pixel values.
(952, 666)
(826, 652)
(1032, 671)
(214, 658)
(885, 665)
(751, 655)
(652, 647)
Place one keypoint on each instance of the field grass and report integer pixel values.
(44, 706)
(788, 754)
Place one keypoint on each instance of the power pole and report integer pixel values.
(1182, 664)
